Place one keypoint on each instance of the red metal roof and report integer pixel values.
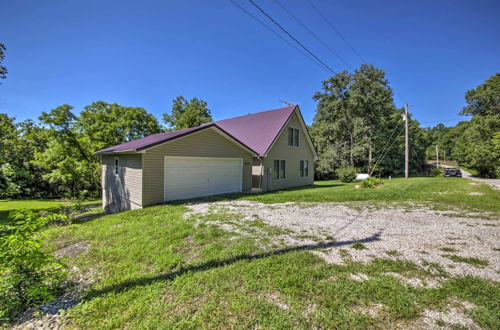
(255, 131)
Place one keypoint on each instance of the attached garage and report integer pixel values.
(190, 177)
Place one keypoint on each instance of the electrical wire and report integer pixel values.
(312, 33)
(291, 36)
(383, 156)
(276, 34)
(336, 30)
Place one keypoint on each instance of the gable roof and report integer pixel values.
(256, 132)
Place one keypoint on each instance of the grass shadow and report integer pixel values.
(129, 284)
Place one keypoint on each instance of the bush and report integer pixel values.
(346, 174)
(28, 275)
(437, 172)
(371, 183)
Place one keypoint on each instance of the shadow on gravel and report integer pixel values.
(117, 288)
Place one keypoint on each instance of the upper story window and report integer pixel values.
(117, 165)
(279, 169)
(293, 137)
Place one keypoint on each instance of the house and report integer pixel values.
(263, 151)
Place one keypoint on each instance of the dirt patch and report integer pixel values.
(359, 277)
(328, 228)
(371, 310)
(476, 193)
(416, 282)
(274, 299)
(73, 249)
(452, 317)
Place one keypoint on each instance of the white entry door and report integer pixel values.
(189, 177)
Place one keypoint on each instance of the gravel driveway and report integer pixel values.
(420, 235)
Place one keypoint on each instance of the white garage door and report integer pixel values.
(189, 177)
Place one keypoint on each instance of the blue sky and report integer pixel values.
(145, 53)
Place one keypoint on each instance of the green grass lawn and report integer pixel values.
(156, 268)
(436, 192)
(161, 268)
(6, 206)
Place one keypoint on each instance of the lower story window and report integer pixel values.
(279, 169)
(304, 168)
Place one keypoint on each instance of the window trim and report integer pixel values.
(280, 169)
(304, 168)
(293, 130)
(116, 165)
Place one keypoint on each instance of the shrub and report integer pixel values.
(346, 174)
(28, 275)
(437, 172)
(371, 182)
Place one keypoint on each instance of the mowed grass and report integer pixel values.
(440, 193)
(157, 268)
(7, 206)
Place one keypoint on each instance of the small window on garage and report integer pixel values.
(304, 168)
(293, 137)
(279, 170)
(117, 165)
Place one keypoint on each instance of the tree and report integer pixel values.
(186, 114)
(68, 158)
(485, 99)
(353, 116)
(107, 124)
(3, 69)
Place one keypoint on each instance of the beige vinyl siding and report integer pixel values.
(292, 155)
(123, 190)
(205, 143)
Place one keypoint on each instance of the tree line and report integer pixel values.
(54, 156)
(356, 124)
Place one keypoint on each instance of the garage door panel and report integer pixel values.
(196, 177)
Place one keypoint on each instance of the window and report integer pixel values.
(117, 165)
(293, 137)
(279, 169)
(304, 168)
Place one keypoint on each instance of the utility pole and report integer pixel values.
(407, 151)
(437, 156)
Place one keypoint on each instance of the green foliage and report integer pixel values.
(186, 114)
(56, 156)
(437, 172)
(3, 69)
(371, 182)
(346, 174)
(485, 99)
(356, 114)
(476, 143)
(28, 275)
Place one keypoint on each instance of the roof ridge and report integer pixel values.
(257, 113)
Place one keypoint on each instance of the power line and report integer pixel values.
(383, 156)
(335, 30)
(277, 34)
(312, 33)
(291, 36)
(386, 144)
(330, 24)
